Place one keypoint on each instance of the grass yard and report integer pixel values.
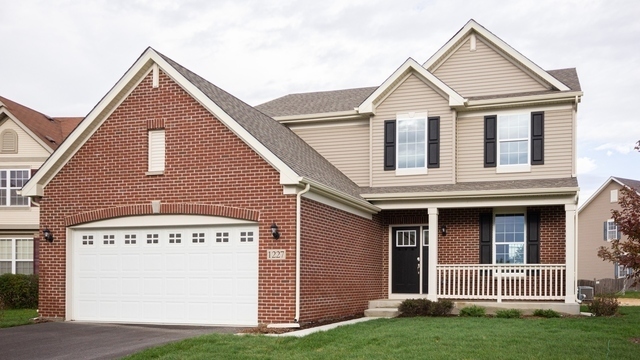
(431, 338)
(18, 317)
(630, 294)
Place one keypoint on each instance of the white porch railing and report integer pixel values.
(501, 282)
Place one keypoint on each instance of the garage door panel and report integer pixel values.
(182, 276)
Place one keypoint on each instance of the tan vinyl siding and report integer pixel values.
(345, 145)
(484, 72)
(27, 146)
(413, 95)
(558, 148)
(591, 235)
(20, 218)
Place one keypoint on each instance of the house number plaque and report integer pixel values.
(276, 254)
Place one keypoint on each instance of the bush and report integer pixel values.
(441, 308)
(604, 305)
(548, 313)
(473, 311)
(19, 291)
(415, 307)
(424, 307)
(509, 314)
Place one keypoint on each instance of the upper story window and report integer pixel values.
(611, 231)
(411, 146)
(11, 181)
(8, 142)
(156, 151)
(514, 142)
(412, 143)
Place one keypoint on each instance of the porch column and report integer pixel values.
(570, 253)
(433, 254)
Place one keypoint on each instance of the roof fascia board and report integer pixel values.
(367, 105)
(478, 202)
(572, 96)
(86, 128)
(329, 116)
(360, 204)
(26, 129)
(287, 175)
(472, 194)
(503, 46)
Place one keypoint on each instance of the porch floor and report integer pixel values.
(389, 307)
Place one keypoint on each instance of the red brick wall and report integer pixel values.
(342, 262)
(205, 164)
(461, 244)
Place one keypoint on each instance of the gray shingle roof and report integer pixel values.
(634, 184)
(347, 99)
(316, 102)
(477, 186)
(279, 139)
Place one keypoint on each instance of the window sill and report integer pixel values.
(154, 173)
(512, 169)
(15, 207)
(405, 172)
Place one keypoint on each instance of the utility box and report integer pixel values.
(585, 293)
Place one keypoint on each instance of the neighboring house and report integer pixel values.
(596, 228)
(175, 202)
(27, 138)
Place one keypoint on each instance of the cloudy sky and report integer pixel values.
(61, 57)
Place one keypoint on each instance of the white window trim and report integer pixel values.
(8, 188)
(515, 168)
(14, 254)
(508, 211)
(412, 116)
(615, 237)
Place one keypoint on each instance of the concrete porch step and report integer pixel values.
(384, 303)
(382, 312)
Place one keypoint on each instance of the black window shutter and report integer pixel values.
(604, 227)
(433, 143)
(390, 145)
(486, 238)
(490, 145)
(533, 238)
(537, 138)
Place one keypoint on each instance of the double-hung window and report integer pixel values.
(16, 256)
(513, 140)
(509, 239)
(11, 181)
(611, 231)
(411, 144)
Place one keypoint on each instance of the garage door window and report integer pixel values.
(87, 240)
(222, 237)
(109, 240)
(129, 239)
(246, 236)
(197, 238)
(175, 238)
(16, 256)
(152, 238)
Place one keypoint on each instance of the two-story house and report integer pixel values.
(175, 202)
(597, 228)
(27, 138)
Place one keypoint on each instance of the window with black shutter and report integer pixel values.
(390, 145)
(490, 146)
(433, 148)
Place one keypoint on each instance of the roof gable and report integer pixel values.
(630, 183)
(408, 67)
(473, 27)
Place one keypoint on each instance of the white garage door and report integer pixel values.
(190, 275)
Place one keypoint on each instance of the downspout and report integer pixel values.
(298, 206)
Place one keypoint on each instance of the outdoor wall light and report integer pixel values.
(47, 235)
(443, 230)
(274, 231)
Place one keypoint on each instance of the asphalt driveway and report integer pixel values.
(70, 340)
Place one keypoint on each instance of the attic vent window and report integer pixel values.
(8, 142)
(50, 139)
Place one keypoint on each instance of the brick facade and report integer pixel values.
(208, 170)
(341, 262)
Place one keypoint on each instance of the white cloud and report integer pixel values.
(586, 165)
(621, 148)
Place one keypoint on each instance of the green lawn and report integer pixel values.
(10, 318)
(431, 338)
(630, 294)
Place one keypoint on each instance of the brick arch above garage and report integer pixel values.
(165, 209)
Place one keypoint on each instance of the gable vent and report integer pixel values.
(9, 142)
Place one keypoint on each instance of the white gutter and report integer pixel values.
(298, 206)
